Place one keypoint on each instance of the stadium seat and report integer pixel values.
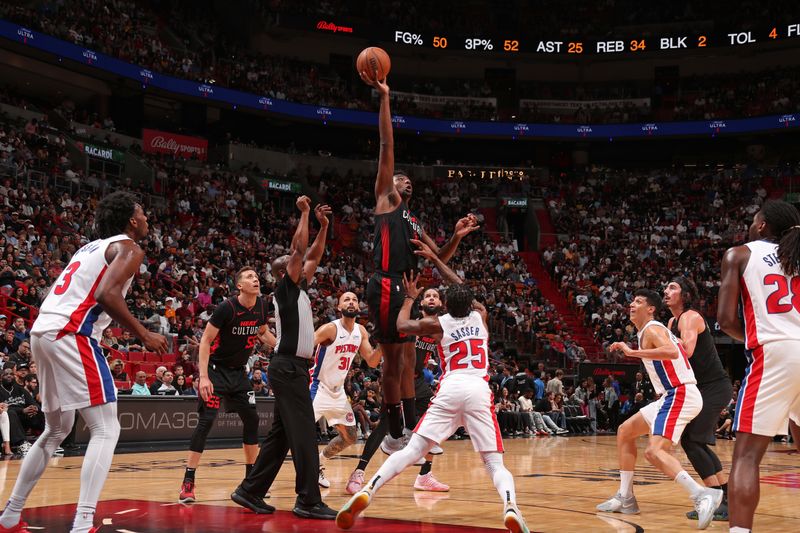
(152, 357)
(135, 356)
(122, 385)
(170, 358)
(149, 368)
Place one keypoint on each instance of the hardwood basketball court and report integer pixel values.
(559, 481)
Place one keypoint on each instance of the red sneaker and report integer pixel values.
(187, 492)
(21, 527)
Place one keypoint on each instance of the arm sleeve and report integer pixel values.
(223, 314)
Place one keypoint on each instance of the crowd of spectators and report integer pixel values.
(620, 234)
(179, 39)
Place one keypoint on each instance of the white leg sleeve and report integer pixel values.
(501, 477)
(417, 447)
(5, 426)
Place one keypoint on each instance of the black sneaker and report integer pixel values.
(319, 511)
(257, 505)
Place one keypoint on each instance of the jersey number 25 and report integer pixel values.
(468, 353)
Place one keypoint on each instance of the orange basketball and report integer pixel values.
(374, 59)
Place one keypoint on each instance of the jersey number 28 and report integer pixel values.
(468, 353)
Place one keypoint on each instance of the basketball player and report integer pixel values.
(463, 399)
(764, 275)
(431, 307)
(713, 382)
(73, 372)
(338, 342)
(227, 343)
(665, 419)
(393, 256)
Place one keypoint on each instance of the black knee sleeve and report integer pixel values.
(705, 462)
(249, 418)
(204, 424)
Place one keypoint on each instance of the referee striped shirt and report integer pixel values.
(294, 320)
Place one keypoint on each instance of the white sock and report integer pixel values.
(417, 447)
(739, 530)
(626, 483)
(686, 481)
(5, 426)
(57, 426)
(501, 477)
(322, 458)
(104, 430)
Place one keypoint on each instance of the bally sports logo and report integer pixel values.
(330, 26)
(90, 56)
(205, 90)
(583, 131)
(786, 120)
(649, 128)
(162, 142)
(25, 33)
(265, 102)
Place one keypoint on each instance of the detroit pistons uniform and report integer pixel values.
(65, 339)
(331, 365)
(770, 391)
(673, 379)
(464, 397)
(393, 256)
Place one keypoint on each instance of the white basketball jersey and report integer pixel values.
(666, 374)
(70, 306)
(333, 361)
(770, 299)
(464, 346)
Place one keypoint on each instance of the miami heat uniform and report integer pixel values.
(65, 339)
(770, 391)
(464, 397)
(673, 379)
(331, 365)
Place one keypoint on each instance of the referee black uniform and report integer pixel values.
(294, 425)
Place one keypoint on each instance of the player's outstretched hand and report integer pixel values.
(155, 342)
(620, 347)
(322, 212)
(466, 225)
(424, 250)
(206, 388)
(410, 284)
(380, 85)
(303, 204)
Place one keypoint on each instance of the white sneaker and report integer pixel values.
(429, 483)
(436, 450)
(513, 520)
(390, 445)
(705, 505)
(324, 483)
(618, 504)
(24, 448)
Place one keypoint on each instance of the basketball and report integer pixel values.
(374, 59)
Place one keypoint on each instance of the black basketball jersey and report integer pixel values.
(425, 347)
(705, 360)
(238, 331)
(392, 251)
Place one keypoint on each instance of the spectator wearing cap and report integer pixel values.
(140, 387)
(431, 373)
(3, 322)
(21, 371)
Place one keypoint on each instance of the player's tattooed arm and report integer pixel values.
(425, 326)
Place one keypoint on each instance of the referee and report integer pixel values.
(294, 424)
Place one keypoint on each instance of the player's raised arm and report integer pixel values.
(430, 254)
(294, 267)
(464, 227)
(729, 291)
(124, 259)
(318, 246)
(385, 195)
(371, 355)
(425, 326)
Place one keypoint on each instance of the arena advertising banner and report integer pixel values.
(281, 186)
(231, 98)
(101, 152)
(485, 173)
(600, 371)
(171, 418)
(514, 201)
(162, 142)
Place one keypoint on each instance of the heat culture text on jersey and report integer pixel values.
(770, 298)
(238, 331)
(426, 344)
(247, 327)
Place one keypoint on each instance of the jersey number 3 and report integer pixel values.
(68, 272)
(468, 353)
(774, 305)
